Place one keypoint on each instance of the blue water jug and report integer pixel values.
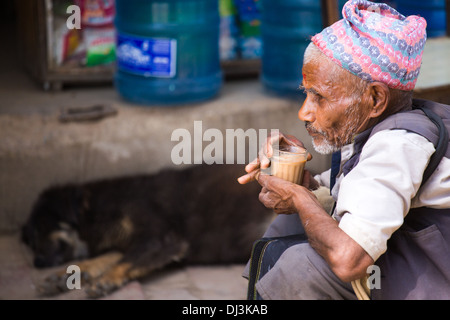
(432, 10)
(286, 27)
(167, 51)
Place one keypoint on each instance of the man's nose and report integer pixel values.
(307, 111)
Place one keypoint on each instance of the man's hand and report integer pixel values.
(278, 194)
(266, 152)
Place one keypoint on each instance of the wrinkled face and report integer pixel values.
(332, 114)
(52, 240)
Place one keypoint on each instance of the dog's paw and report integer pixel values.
(57, 283)
(102, 287)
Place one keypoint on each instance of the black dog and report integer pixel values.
(199, 215)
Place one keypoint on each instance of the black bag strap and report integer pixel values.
(265, 252)
(442, 144)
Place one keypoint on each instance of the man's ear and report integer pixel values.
(380, 96)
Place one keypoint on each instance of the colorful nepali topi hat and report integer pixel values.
(376, 43)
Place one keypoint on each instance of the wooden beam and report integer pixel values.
(330, 12)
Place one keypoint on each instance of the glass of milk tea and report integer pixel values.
(288, 162)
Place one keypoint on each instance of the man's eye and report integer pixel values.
(315, 96)
(311, 92)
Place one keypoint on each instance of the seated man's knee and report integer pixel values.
(301, 273)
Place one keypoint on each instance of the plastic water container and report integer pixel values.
(167, 51)
(287, 27)
(432, 10)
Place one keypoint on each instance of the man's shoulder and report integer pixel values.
(429, 104)
(415, 120)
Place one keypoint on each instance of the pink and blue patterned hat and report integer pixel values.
(376, 43)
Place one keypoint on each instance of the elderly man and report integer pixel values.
(358, 75)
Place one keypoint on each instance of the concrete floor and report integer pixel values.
(18, 280)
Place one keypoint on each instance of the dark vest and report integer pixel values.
(416, 264)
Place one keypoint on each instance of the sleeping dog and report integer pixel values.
(124, 229)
